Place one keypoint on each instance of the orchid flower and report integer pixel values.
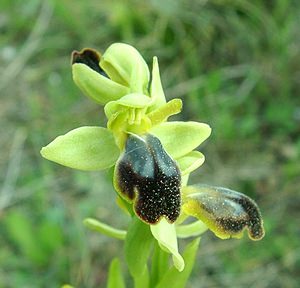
(152, 157)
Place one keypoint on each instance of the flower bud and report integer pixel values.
(93, 80)
(125, 65)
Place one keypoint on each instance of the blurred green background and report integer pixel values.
(236, 66)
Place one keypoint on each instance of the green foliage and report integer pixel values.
(176, 279)
(236, 65)
(137, 248)
(36, 243)
(115, 278)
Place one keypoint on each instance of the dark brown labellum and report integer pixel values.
(149, 177)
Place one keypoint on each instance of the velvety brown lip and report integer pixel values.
(148, 176)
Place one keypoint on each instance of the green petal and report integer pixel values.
(156, 89)
(84, 148)
(165, 234)
(226, 212)
(190, 162)
(162, 113)
(124, 64)
(99, 88)
(180, 138)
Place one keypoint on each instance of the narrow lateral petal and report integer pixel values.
(163, 112)
(156, 89)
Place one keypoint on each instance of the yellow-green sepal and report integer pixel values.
(125, 65)
(190, 162)
(85, 148)
(96, 86)
(156, 89)
(180, 138)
